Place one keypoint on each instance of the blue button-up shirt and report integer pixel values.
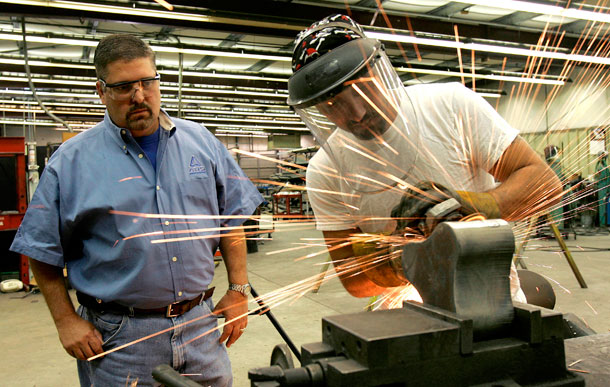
(77, 214)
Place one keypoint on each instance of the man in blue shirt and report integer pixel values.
(135, 208)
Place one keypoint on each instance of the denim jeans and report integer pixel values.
(205, 359)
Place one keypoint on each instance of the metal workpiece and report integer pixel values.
(464, 267)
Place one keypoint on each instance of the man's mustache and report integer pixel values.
(139, 106)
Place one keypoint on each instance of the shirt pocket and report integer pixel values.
(199, 195)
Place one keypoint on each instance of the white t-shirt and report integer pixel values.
(454, 138)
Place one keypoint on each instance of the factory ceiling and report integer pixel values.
(227, 63)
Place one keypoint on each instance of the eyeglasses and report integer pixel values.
(123, 91)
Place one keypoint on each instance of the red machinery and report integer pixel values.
(12, 155)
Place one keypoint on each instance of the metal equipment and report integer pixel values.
(466, 333)
(13, 197)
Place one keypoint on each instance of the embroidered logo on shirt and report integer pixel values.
(195, 167)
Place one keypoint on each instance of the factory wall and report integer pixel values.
(573, 117)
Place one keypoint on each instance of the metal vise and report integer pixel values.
(466, 333)
(464, 267)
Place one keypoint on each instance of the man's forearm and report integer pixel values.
(529, 190)
(528, 185)
(50, 280)
(234, 253)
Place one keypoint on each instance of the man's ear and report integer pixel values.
(100, 91)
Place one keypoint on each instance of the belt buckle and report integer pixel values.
(169, 312)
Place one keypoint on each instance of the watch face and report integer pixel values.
(243, 289)
(246, 289)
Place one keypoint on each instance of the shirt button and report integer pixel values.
(167, 222)
(158, 188)
(179, 294)
(124, 147)
(123, 131)
(174, 259)
(140, 155)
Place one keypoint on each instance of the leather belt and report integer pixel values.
(172, 310)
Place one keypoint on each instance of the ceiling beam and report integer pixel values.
(91, 30)
(449, 9)
(228, 42)
(516, 17)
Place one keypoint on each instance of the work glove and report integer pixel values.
(427, 204)
(380, 262)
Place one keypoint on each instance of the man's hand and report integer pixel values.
(410, 213)
(79, 337)
(234, 307)
(419, 210)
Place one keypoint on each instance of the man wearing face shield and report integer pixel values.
(388, 152)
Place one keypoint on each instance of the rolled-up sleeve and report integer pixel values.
(39, 235)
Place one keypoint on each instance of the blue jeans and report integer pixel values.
(205, 359)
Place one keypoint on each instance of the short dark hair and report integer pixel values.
(124, 47)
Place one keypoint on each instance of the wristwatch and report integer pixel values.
(243, 289)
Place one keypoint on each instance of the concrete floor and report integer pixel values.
(31, 354)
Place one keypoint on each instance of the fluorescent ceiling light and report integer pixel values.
(40, 111)
(114, 9)
(45, 123)
(253, 127)
(222, 75)
(46, 64)
(52, 103)
(54, 80)
(545, 9)
(534, 7)
(487, 48)
(489, 95)
(231, 112)
(204, 74)
(201, 89)
(204, 89)
(169, 49)
(50, 94)
(494, 77)
(241, 135)
(246, 120)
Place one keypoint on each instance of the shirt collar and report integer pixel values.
(165, 121)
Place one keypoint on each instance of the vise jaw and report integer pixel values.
(464, 267)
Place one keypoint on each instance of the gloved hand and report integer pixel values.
(427, 204)
(380, 262)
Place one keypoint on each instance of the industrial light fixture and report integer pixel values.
(168, 49)
(53, 103)
(40, 111)
(46, 63)
(544, 9)
(204, 74)
(241, 135)
(494, 77)
(489, 95)
(47, 123)
(221, 119)
(200, 89)
(207, 74)
(385, 36)
(254, 127)
(119, 10)
(50, 94)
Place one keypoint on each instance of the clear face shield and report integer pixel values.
(356, 107)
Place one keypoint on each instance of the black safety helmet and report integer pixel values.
(327, 54)
(323, 36)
